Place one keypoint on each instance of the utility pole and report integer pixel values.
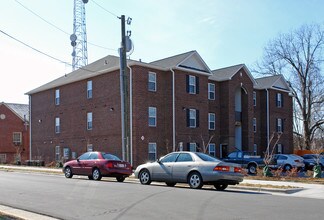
(124, 93)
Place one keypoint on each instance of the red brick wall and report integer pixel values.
(72, 111)
(12, 123)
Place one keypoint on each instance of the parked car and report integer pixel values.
(194, 168)
(246, 159)
(96, 165)
(287, 161)
(310, 160)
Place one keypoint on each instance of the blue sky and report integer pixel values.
(224, 32)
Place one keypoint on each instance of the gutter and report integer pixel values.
(268, 119)
(130, 113)
(30, 129)
(173, 112)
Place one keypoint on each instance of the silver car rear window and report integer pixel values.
(206, 157)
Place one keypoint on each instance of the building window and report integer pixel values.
(211, 91)
(57, 125)
(152, 81)
(192, 118)
(57, 97)
(255, 149)
(66, 153)
(193, 147)
(254, 125)
(212, 149)
(192, 84)
(3, 158)
(89, 89)
(89, 121)
(279, 100)
(16, 138)
(57, 153)
(211, 121)
(279, 125)
(89, 148)
(254, 98)
(152, 116)
(279, 148)
(152, 152)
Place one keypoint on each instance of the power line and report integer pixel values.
(105, 9)
(43, 53)
(53, 25)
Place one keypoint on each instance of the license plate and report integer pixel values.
(231, 169)
(120, 165)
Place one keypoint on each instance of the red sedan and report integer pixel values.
(96, 165)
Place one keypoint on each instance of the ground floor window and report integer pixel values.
(193, 147)
(3, 158)
(57, 153)
(279, 148)
(212, 149)
(152, 151)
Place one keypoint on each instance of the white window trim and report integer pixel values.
(89, 89)
(279, 125)
(57, 125)
(211, 91)
(192, 83)
(254, 98)
(254, 125)
(57, 97)
(209, 121)
(194, 113)
(89, 121)
(279, 100)
(153, 144)
(152, 116)
(194, 145)
(154, 81)
(17, 138)
(214, 151)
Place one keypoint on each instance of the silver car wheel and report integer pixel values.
(68, 172)
(195, 181)
(96, 174)
(145, 177)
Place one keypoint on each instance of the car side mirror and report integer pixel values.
(78, 160)
(159, 161)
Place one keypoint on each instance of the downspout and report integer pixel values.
(30, 130)
(173, 112)
(130, 113)
(268, 120)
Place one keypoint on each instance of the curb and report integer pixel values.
(21, 214)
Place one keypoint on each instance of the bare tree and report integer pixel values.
(298, 56)
(205, 145)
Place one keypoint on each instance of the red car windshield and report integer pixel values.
(109, 156)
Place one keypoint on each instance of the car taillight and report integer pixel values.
(297, 161)
(222, 168)
(109, 164)
(237, 169)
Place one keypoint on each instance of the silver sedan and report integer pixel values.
(194, 168)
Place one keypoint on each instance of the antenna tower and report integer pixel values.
(79, 36)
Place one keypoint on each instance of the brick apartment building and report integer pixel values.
(174, 103)
(14, 132)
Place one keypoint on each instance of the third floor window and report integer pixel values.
(279, 100)
(192, 84)
(152, 81)
(89, 89)
(57, 97)
(211, 91)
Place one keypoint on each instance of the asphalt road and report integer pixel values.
(80, 198)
